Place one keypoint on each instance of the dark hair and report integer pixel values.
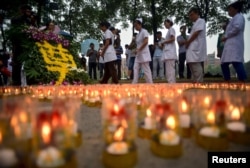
(238, 5)
(171, 23)
(183, 26)
(91, 44)
(137, 21)
(112, 28)
(159, 32)
(105, 24)
(195, 10)
(25, 7)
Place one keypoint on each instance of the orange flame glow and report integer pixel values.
(118, 135)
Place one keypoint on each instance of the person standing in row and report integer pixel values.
(157, 58)
(108, 53)
(233, 52)
(142, 53)
(181, 39)
(169, 55)
(92, 54)
(100, 61)
(196, 45)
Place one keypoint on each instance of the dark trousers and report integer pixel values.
(92, 68)
(239, 68)
(16, 74)
(119, 66)
(109, 71)
(101, 69)
(182, 59)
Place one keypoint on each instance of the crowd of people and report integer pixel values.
(157, 61)
(161, 57)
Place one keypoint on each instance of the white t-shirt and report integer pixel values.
(169, 49)
(197, 50)
(109, 54)
(144, 54)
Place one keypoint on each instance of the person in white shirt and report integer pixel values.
(233, 52)
(109, 55)
(196, 45)
(169, 55)
(157, 58)
(143, 57)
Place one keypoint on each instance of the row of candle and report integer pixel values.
(44, 136)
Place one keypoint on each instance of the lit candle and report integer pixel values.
(118, 147)
(169, 137)
(7, 156)
(184, 116)
(50, 157)
(210, 131)
(149, 122)
(46, 132)
(236, 125)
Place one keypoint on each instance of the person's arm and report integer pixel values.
(170, 40)
(144, 44)
(236, 27)
(192, 38)
(105, 46)
(89, 52)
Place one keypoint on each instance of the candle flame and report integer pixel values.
(235, 114)
(184, 106)
(149, 113)
(210, 117)
(46, 131)
(23, 117)
(118, 135)
(207, 101)
(170, 122)
(13, 121)
(116, 108)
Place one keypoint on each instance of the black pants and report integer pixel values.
(92, 68)
(119, 66)
(182, 59)
(109, 71)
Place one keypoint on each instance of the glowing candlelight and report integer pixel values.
(211, 117)
(206, 101)
(170, 122)
(184, 106)
(236, 125)
(235, 115)
(7, 156)
(118, 147)
(46, 131)
(23, 117)
(148, 121)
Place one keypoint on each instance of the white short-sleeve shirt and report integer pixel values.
(143, 55)
(169, 49)
(109, 54)
(197, 50)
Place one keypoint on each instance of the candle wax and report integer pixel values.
(210, 131)
(7, 157)
(236, 126)
(184, 120)
(169, 137)
(50, 157)
(149, 123)
(118, 148)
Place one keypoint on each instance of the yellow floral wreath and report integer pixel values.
(57, 59)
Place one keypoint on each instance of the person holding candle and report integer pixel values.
(142, 53)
